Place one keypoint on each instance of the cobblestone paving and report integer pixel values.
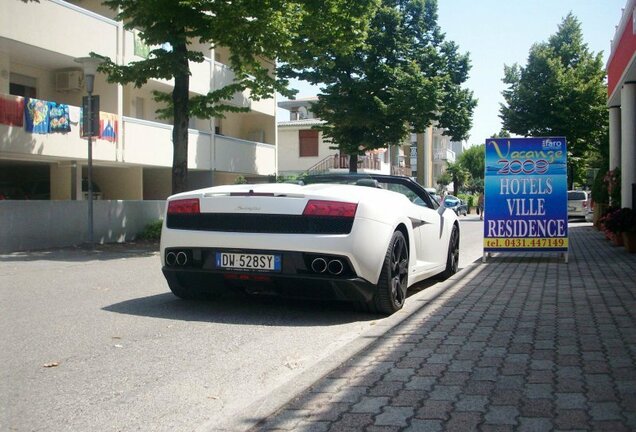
(523, 342)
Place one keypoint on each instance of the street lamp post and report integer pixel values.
(90, 69)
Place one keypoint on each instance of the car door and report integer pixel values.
(427, 221)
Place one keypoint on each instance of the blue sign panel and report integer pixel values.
(525, 196)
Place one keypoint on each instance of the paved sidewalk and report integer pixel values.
(523, 342)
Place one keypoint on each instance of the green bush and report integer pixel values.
(152, 231)
(599, 188)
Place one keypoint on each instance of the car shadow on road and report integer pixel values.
(240, 308)
(85, 253)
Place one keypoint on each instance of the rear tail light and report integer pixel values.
(584, 204)
(330, 208)
(184, 206)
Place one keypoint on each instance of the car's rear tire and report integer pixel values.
(393, 283)
(452, 258)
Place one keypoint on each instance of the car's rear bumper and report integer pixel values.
(295, 286)
(296, 278)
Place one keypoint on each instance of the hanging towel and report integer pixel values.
(36, 116)
(74, 113)
(59, 117)
(12, 110)
(108, 126)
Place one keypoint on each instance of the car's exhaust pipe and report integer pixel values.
(171, 259)
(319, 265)
(335, 267)
(182, 258)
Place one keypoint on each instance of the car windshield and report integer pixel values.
(402, 185)
(577, 195)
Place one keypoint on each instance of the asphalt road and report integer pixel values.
(95, 341)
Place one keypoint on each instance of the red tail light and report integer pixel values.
(330, 208)
(181, 206)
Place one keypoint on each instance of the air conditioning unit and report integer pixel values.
(69, 80)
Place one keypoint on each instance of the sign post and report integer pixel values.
(525, 195)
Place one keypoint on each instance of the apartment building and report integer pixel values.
(302, 149)
(132, 159)
(431, 152)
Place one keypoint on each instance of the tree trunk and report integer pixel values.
(353, 163)
(180, 99)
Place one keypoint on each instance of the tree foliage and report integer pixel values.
(560, 92)
(255, 33)
(473, 159)
(401, 79)
(458, 174)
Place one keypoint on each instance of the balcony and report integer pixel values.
(150, 143)
(88, 32)
(223, 76)
(444, 155)
(140, 142)
(241, 156)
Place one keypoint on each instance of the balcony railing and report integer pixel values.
(444, 154)
(404, 171)
(89, 31)
(366, 162)
(140, 142)
(334, 162)
(223, 76)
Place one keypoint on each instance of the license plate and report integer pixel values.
(246, 261)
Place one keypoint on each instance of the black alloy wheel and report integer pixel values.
(392, 285)
(452, 259)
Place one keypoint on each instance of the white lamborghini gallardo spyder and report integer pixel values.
(361, 238)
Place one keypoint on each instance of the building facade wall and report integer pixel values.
(289, 160)
(32, 50)
(621, 71)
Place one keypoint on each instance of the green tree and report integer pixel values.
(444, 180)
(501, 134)
(459, 174)
(252, 31)
(404, 77)
(473, 159)
(560, 92)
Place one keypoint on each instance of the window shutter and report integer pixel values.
(308, 143)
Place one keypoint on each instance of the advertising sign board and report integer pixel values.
(525, 195)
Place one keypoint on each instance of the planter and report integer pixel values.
(617, 239)
(599, 210)
(629, 241)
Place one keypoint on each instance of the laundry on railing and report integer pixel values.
(11, 110)
(59, 118)
(40, 116)
(36, 116)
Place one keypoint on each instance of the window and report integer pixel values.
(140, 108)
(308, 143)
(22, 85)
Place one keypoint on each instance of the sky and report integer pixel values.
(498, 32)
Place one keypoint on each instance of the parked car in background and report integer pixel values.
(10, 191)
(433, 192)
(578, 204)
(457, 205)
